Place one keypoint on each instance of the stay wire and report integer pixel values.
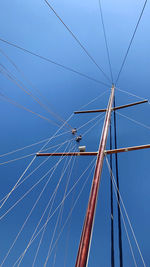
(22, 87)
(135, 121)
(70, 213)
(24, 77)
(89, 121)
(60, 179)
(18, 184)
(53, 62)
(29, 155)
(115, 190)
(31, 188)
(106, 42)
(129, 93)
(54, 152)
(27, 192)
(31, 211)
(98, 121)
(129, 222)
(77, 40)
(8, 99)
(94, 99)
(33, 171)
(130, 43)
(72, 188)
(117, 178)
(22, 255)
(43, 232)
(51, 199)
(14, 187)
(28, 146)
(18, 181)
(59, 218)
(111, 203)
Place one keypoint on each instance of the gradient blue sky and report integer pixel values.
(32, 25)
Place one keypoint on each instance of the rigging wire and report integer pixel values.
(16, 159)
(111, 203)
(72, 188)
(18, 184)
(31, 154)
(130, 43)
(34, 159)
(8, 195)
(115, 190)
(31, 211)
(10, 100)
(61, 177)
(33, 144)
(68, 234)
(29, 215)
(88, 130)
(19, 149)
(51, 209)
(98, 116)
(11, 77)
(135, 121)
(129, 222)
(27, 178)
(53, 62)
(28, 191)
(52, 198)
(22, 74)
(106, 42)
(70, 213)
(59, 215)
(54, 152)
(94, 99)
(117, 178)
(93, 126)
(139, 97)
(76, 39)
(22, 87)
(28, 155)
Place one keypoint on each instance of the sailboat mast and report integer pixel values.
(84, 246)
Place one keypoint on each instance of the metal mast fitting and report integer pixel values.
(79, 138)
(84, 246)
(74, 131)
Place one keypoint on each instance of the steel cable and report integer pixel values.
(47, 108)
(130, 43)
(77, 40)
(112, 208)
(106, 42)
(53, 62)
(118, 196)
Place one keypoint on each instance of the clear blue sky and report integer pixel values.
(32, 25)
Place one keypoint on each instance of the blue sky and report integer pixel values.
(32, 25)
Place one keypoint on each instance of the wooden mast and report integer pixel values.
(84, 246)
